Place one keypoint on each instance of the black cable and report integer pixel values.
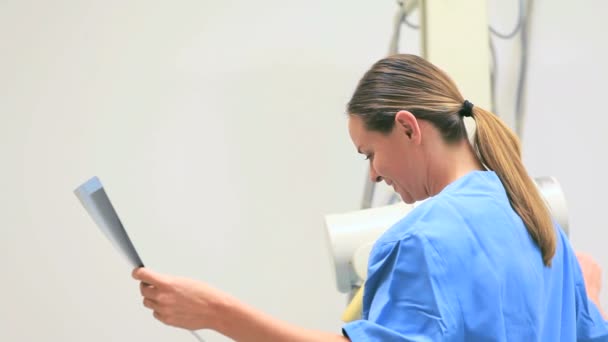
(520, 114)
(518, 26)
(408, 23)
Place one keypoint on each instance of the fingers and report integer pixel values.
(149, 277)
(150, 299)
(150, 287)
(148, 291)
(160, 317)
(150, 304)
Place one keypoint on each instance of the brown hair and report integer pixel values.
(408, 82)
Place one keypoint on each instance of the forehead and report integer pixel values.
(360, 135)
(356, 125)
(356, 128)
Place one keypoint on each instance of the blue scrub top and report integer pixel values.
(462, 267)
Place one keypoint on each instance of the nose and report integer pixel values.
(375, 178)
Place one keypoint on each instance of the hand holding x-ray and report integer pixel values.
(93, 197)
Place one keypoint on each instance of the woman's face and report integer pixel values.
(395, 157)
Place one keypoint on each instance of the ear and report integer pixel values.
(407, 123)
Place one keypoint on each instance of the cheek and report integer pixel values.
(383, 167)
(404, 175)
(400, 171)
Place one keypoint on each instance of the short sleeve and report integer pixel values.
(591, 327)
(407, 295)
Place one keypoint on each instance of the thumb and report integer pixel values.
(149, 277)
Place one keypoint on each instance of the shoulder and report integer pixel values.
(408, 273)
(471, 209)
(435, 214)
(412, 240)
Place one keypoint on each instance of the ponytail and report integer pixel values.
(499, 150)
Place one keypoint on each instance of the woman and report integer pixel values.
(479, 260)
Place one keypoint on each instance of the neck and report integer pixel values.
(449, 163)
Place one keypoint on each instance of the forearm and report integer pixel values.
(246, 324)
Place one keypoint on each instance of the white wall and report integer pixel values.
(218, 129)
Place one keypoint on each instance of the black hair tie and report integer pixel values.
(467, 109)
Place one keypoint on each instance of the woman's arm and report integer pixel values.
(193, 305)
(592, 275)
(244, 323)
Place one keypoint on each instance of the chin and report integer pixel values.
(406, 199)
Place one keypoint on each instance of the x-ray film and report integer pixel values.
(96, 202)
